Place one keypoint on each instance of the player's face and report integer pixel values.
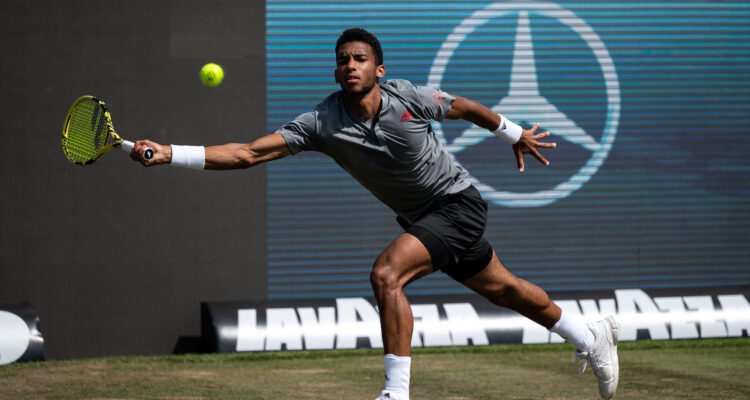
(357, 70)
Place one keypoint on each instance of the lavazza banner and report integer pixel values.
(349, 323)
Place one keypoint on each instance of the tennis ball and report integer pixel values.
(212, 74)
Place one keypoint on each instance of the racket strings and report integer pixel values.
(86, 133)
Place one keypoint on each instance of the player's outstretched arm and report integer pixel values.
(524, 141)
(222, 157)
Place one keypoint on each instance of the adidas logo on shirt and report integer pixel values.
(406, 116)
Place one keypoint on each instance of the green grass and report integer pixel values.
(705, 369)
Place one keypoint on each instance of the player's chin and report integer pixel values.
(349, 88)
(356, 89)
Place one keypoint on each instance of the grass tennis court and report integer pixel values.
(705, 369)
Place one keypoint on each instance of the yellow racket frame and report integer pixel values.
(111, 134)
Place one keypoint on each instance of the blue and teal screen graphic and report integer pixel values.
(649, 103)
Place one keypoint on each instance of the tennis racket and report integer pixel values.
(88, 133)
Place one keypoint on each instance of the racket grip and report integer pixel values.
(127, 146)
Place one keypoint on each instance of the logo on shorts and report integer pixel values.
(524, 102)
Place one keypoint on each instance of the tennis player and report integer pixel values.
(380, 133)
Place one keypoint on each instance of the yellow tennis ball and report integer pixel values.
(212, 74)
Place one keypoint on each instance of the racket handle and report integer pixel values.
(127, 146)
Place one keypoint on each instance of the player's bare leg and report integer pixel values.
(595, 343)
(403, 261)
(504, 289)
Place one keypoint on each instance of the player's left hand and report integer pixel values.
(529, 143)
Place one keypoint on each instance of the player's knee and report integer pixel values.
(383, 277)
(503, 295)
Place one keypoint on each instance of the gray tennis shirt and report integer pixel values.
(396, 156)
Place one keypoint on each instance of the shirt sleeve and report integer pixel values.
(434, 103)
(301, 133)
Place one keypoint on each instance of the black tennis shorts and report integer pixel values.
(453, 233)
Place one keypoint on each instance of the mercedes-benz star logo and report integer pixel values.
(524, 101)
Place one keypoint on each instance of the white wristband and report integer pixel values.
(508, 130)
(193, 157)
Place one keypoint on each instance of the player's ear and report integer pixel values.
(335, 76)
(380, 71)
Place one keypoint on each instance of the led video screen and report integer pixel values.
(649, 103)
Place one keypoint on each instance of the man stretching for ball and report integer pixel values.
(380, 133)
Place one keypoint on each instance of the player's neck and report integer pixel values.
(364, 104)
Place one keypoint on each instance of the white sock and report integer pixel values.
(397, 375)
(572, 327)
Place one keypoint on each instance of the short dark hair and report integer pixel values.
(361, 35)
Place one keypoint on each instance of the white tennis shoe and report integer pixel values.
(388, 395)
(603, 356)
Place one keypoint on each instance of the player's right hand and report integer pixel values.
(162, 154)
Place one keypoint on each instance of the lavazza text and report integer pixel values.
(353, 322)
